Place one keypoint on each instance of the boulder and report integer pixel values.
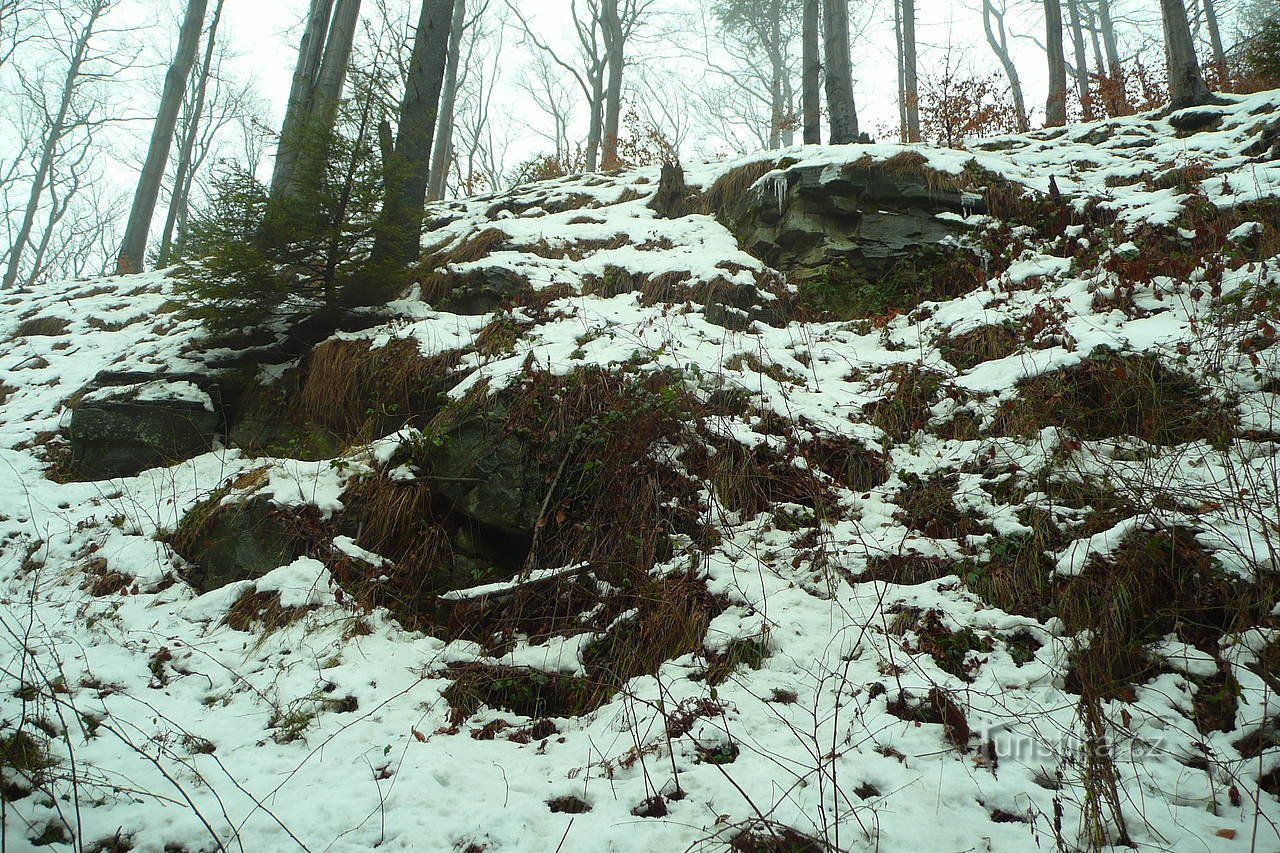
(119, 431)
(488, 475)
(235, 542)
(476, 291)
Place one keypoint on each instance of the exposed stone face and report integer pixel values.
(491, 477)
(805, 217)
(241, 542)
(121, 431)
(481, 291)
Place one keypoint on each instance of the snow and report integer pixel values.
(331, 732)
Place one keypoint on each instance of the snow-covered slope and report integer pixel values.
(952, 709)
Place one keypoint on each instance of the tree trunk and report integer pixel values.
(313, 153)
(595, 121)
(181, 184)
(134, 246)
(789, 110)
(50, 150)
(1055, 110)
(1118, 99)
(1186, 85)
(1000, 47)
(811, 73)
(399, 234)
(301, 93)
(901, 70)
(911, 90)
(443, 145)
(1215, 42)
(839, 73)
(614, 51)
(1081, 58)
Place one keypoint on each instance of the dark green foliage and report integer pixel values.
(251, 260)
(1262, 52)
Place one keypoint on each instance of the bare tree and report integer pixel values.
(839, 72)
(1215, 40)
(811, 72)
(910, 90)
(589, 73)
(1055, 110)
(407, 164)
(759, 35)
(448, 100)
(1186, 84)
(1116, 95)
(1080, 71)
(134, 246)
(324, 55)
(998, 40)
(180, 195)
(60, 123)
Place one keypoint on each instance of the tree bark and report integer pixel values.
(614, 49)
(1215, 42)
(1186, 85)
(49, 152)
(1081, 59)
(443, 146)
(181, 184)
(811, 73)
(318, 125)
(1055, 110)
(134, 245)
(1000, 47)
(839, 73)
(399, 234)
(1118, 99)
(301, 92)
(911, 90)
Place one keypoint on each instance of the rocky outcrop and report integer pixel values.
(229, 543)
(488, 474)
(801, 218)
(121, 430)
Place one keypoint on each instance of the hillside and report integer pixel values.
(857, 498)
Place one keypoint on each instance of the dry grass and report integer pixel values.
(1156, 583)
(42, 326)
(1108, 396)
(262, 613)
(985, 343)
(467, 250)
(730, 189)
(910, 391)
(361, 392)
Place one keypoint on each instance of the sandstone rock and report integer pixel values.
(233, 543)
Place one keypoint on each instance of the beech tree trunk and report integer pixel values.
(911, 89)
(614, 48)
(49, 151)
(839, 73)
(301, 92)
(1081, 59)
(134, 245)
(443, 146)
(407, 166)
(1215, 42)
(312, 154)
(1055, 110)
(998, 40)
(1118, 98)
(182, 174)
(811, 73)
(1186, 84)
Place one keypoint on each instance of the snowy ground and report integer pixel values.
(182, 733)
